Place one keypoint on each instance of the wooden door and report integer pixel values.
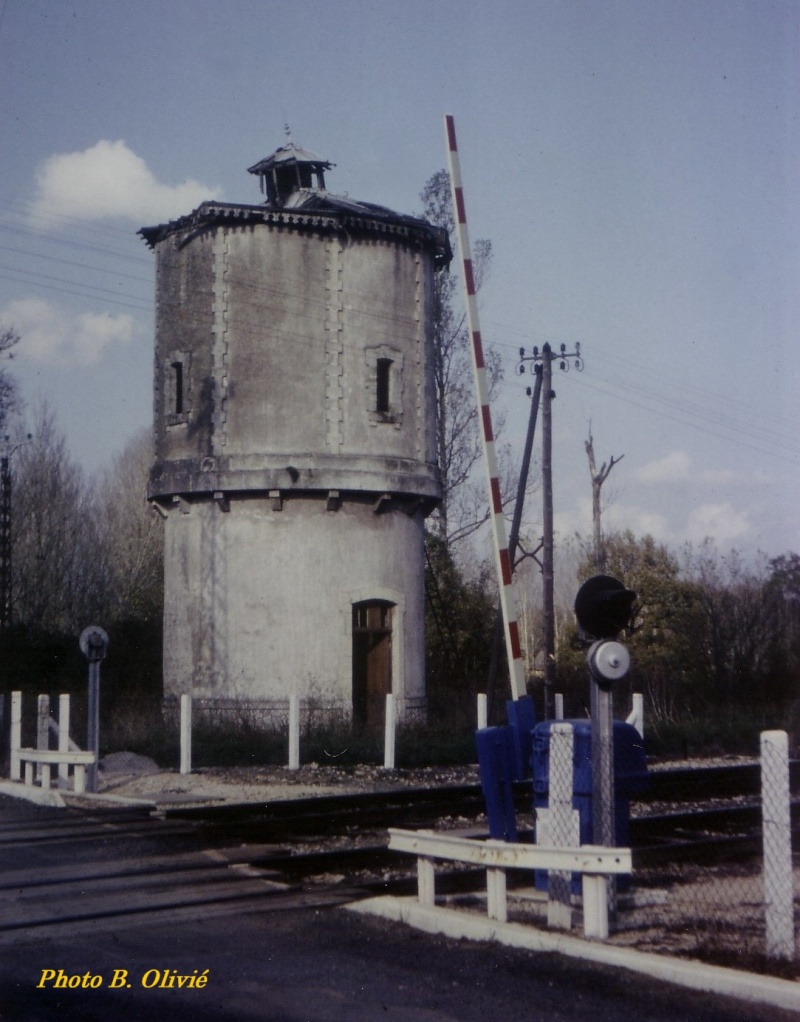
(372, 661)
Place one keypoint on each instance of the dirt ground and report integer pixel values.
(124, 776)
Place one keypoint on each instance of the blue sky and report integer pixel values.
(634, 162)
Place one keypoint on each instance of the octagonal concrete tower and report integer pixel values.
(295, 444)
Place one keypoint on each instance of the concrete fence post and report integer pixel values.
(563, 825)
(294, 732)
(559, 706)
(636, 716)
(777, 838)
(482, 711)
(63, 737)
(389, 736)
(186, 734)
(42, 728)
(15, 766)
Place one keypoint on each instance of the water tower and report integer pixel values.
(295, 454)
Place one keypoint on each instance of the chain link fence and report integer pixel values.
(714, 873)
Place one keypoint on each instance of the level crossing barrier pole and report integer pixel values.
(508, 596)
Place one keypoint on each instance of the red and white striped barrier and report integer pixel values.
(508, 596)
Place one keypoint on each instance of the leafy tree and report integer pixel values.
(459, 624)
(668, 624)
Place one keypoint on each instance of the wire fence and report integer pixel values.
(714, 876)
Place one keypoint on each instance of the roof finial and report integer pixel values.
(288, 131)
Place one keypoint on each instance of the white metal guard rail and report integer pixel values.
(593, 862)
(47, 758)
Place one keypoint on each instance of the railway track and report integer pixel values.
(357, 823)
(132, 865)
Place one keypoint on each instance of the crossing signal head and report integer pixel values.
(603, 606)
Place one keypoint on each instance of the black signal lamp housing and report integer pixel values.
(603, 606)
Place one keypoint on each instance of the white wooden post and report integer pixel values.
(426, 881)
(636, 716)
(559, 703)
(593, 862)
(595, 907)
(16, 736)
(482, 711)
(563, 828)
(389, 736)
(42, 728)
(496, 900)
(186, 734)
(777, 837)
(63, 737)
(294, 732)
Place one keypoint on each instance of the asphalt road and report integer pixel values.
(282, 963)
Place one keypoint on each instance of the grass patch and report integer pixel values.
(241, 739)
(735, 733)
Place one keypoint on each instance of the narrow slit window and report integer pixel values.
(383, 389)
(177, 387)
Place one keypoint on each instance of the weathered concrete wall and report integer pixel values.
(259, 602)
(275, 319)
(184, 328)
(288, 495)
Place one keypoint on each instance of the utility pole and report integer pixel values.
(548, 572)
(543, 361)
(513, 536)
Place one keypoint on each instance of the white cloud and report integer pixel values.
(672, 468)
(678, 467)
(720, 522)
(109, 180)
(640, 520)
(616, 517)
(51, 337)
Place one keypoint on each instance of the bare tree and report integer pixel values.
(130, 536)
(598, 478)
(742, 628)
(9, 338)
(464, 507)
(53, 534)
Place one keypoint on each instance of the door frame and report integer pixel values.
(384, 594)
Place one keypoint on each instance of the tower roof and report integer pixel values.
(289, 153)
(289, 170)
(293, 179)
